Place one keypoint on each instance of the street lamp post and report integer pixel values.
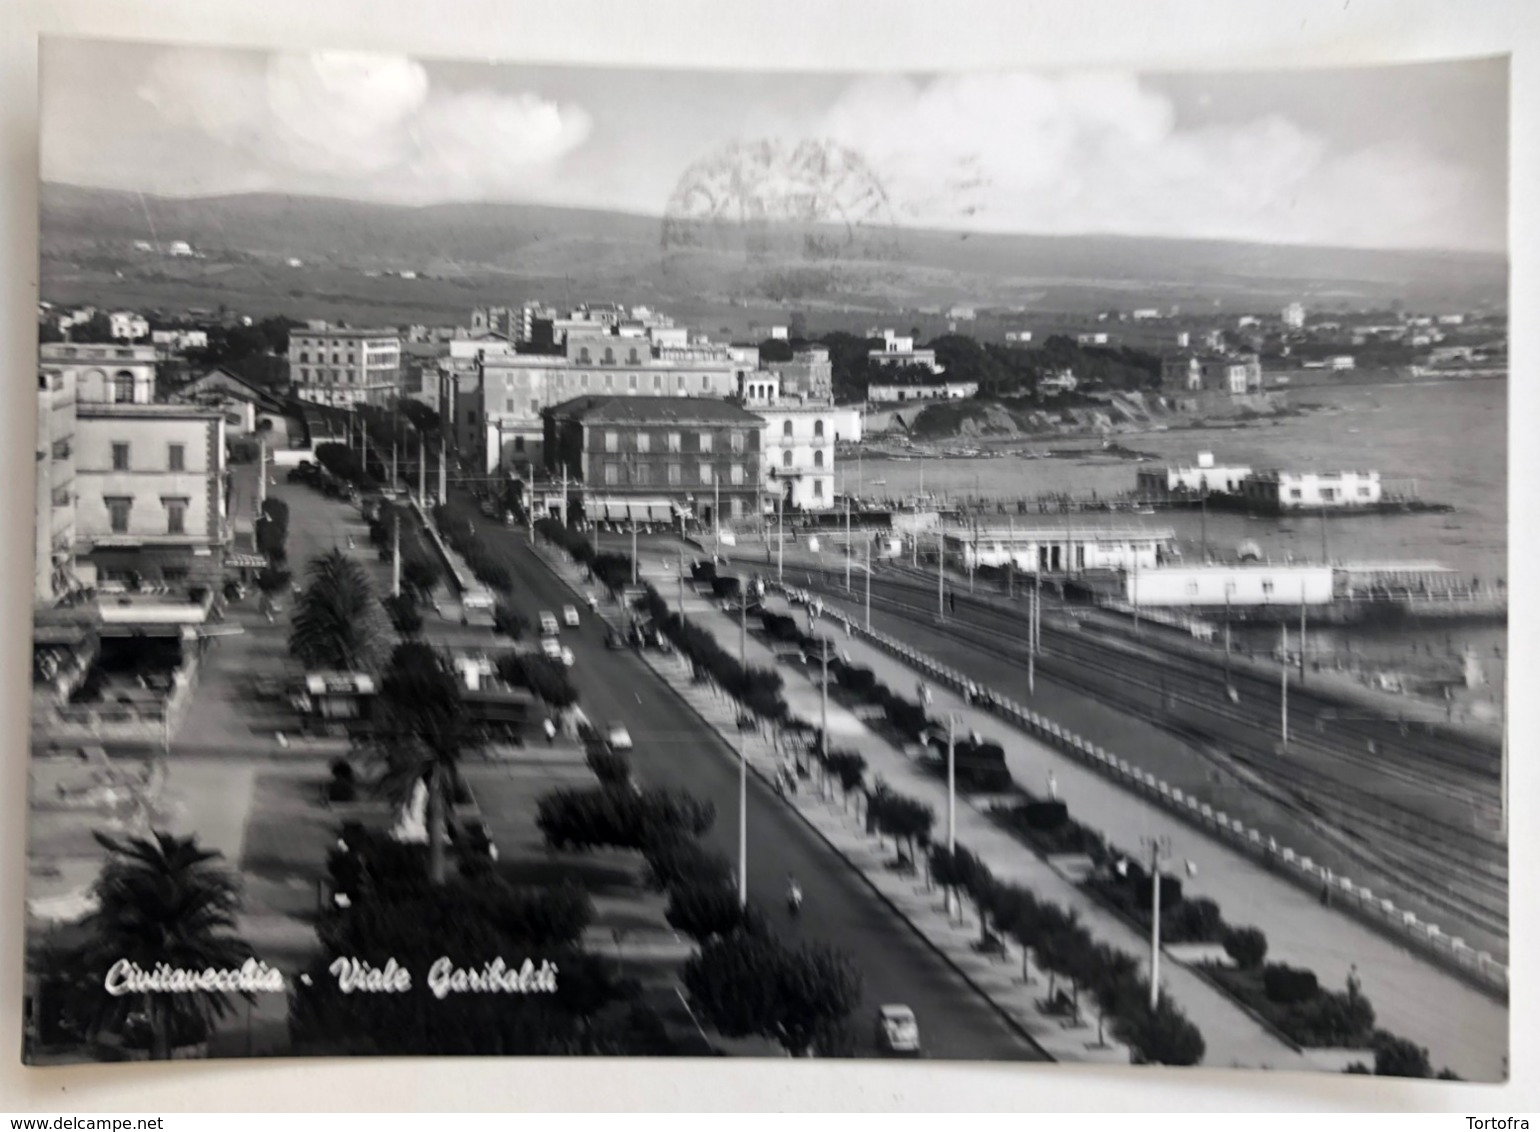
(940, 572)
(743, 818)
(1283, 702)
(780, 536)
(633, 549)
(847, 542)
(868, 587)
(1157, 847)
(395, 558)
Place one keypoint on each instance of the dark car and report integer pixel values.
(614, 639)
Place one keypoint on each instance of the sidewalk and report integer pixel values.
(1461, 1027)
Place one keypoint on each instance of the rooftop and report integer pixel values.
(150, 411)
(343, 332)
(654, 410)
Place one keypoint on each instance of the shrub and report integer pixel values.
(1046, 816)
(1246, 946)
(1193, 921)
(404, 615)
(1397, 1057)
(1286, 985)
(508, 621)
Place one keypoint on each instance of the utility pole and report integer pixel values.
(1302, 639)
(716, 514)
(1032, 645)
(1157, 844)
(1284, 698)
(1010, 568)
(1227, 639)
(633, 548)
(1203, 527)
(422, 468)
(940, 573)
(780, 537)
(868, 587)
(1136, 593)
(743, 819)
(743, 628)
(1037, 609)
(261, 475)
(443, 475)
(951, 783)
(848, 547)
(823, 725)
(395, 558)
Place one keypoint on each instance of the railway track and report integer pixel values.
(1447, 862)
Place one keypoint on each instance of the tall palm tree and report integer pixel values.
(161, 899)
(423, 729)
(336, 621)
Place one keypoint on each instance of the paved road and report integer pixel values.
(674, 749)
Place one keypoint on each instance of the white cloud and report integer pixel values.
(1099, 152)
(363, 124)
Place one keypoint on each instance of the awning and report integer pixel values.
(245, 561)
(631, 510)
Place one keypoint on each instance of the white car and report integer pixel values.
(568, 657)
(569, 614)
(618, 737)
(551, 647)
(897, 1030)
(548, 626)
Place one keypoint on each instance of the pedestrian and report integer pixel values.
(550, 732)
(1053, 786)
(951, 603)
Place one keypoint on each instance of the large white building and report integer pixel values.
(1294, 316)
(1205, 476)
(902, 394)
(798, 444)
(128, 326)
(1034, 548)
(1294, 491)
(1239, 586)
(343, 367)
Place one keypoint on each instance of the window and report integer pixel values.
(786, 458)
(705, 442)
(818, 489)
(123, 388)
(508, 405)
(818, 429)
(1229, 589)
(735, 441)
(1192, 588)
(1267, 586)
(609, 381)
(609, 360)
(583, 355)
(644, 442)
(1294, 493)
(350, 359)
(119, 456)
(680, 383)
(633, 357)
(735, 508)
(1363, 490)
(642, 475)
(786, 429)
(61, 449)
(657, 378)
(674, 475)
(612, 473)
(534, 406)
(304, 356)
(518, 444)
(176, 516)
(735, 475)
(632, 382)
(173, 573)
(117, 514)
(61, 497)
(612, 441)
(705, 474)
(674, 441)
(1328, 494)
(705, 383)
(818, 458)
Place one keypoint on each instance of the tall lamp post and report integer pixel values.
(868, 587)
(940, 572)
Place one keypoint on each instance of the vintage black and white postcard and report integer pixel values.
(540, 560)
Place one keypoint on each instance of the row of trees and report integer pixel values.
(743, 980)
(462, 539)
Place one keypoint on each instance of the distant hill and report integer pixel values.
(86, 229)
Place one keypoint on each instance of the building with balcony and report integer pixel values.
(902, 394)
(1212, 373)
(898, 350)
(344, 367)
(656, 459)
(103, 373)
(799, 436)
(54, 532)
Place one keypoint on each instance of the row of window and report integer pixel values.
(674, 441)
(176, 457)
(642, 474)
(634, 383)
(118, 507)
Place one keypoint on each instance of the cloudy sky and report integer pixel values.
(1402, 156)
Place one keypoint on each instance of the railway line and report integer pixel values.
(1428, 833)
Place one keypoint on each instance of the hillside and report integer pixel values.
(486, 250)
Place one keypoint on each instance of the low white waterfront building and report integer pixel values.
(1238, 586)
(1061, 549)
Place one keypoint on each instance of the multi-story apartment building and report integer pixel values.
(656, 458)
(134, 487)
(1197, 373)
(55, 495)
(341, 367)
(497, 412)
(798, 443)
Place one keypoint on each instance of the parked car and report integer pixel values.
(551, 647)
(618, 737)
(569, 615)
(568, 657)
(898, 1031)
(548, 626)
(614, 639)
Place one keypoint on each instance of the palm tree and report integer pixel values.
(161, 899)
(336, 621)
(423, 729)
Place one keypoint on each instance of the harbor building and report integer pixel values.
(1060, 549)
(1196, 479)
(798, 466)
(1235, 586)
(1278, 491)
